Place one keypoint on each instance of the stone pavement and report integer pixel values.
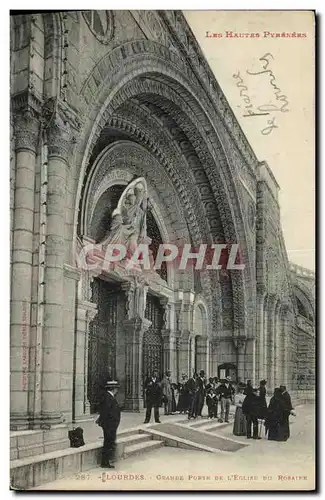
(263, 465)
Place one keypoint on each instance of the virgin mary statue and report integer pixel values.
(129, 225)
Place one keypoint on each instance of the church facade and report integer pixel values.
(121, 134)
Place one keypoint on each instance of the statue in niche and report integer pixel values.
(129, 219)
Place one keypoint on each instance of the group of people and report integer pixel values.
(192, 393)
(252, 408)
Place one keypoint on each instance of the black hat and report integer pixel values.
(263, 382)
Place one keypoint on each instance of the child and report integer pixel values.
(212, 403)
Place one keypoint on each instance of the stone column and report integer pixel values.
(134, 329)
(270, 343)
(202, 354)
(214, 347)
(59, 141)
(286, 333)
(260, 335)
(250, 356)
(240, 346)
(265, 339)
(178, 342)
(86, 312)
(184, 348)
(277, 348)
(26, 130)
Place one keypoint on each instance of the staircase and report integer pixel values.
(30, 472)
(207, 425)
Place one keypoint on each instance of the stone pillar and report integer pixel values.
(240, 346)
(270, 343)
(214, 347)
(134, 329)
(59, 141)
(265, 338)
(277, 348)
(250, 357)
(169, 339)
(202, 354)
(86, 312)
(184, 353)
(178, 342)
(26, 130)
(192, 353)
(207, 363)
(260, 336)
(286, 334)
(186, 324)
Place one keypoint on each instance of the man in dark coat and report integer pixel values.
(191, 387)
(109, 420)
(250, 409)
(153, 390)
(284, 430)
(262, 400)
(200, 395)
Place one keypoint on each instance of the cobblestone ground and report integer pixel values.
(264, 465)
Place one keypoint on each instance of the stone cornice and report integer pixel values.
(189, 47)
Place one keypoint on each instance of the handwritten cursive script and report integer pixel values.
(252, 110)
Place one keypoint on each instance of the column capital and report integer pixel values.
(26, 130)
(62, 125)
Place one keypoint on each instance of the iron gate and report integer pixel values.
(152, 339)
(102, 339)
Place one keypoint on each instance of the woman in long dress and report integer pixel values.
(183, 399)
(239, 428)
(274, 416)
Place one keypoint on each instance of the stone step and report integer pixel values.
(133, 439)
(139, 448)
(36, 470)
(206, 422)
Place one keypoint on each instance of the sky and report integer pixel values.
(286, 143)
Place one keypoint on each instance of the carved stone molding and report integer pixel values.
(26, 131)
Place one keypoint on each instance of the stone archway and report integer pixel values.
(192, 125)
(164, 130)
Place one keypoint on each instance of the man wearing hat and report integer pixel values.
(226, 393)
(153, 391)
(201, 383)
(109, 420)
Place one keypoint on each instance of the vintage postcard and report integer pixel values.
(162, 323)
